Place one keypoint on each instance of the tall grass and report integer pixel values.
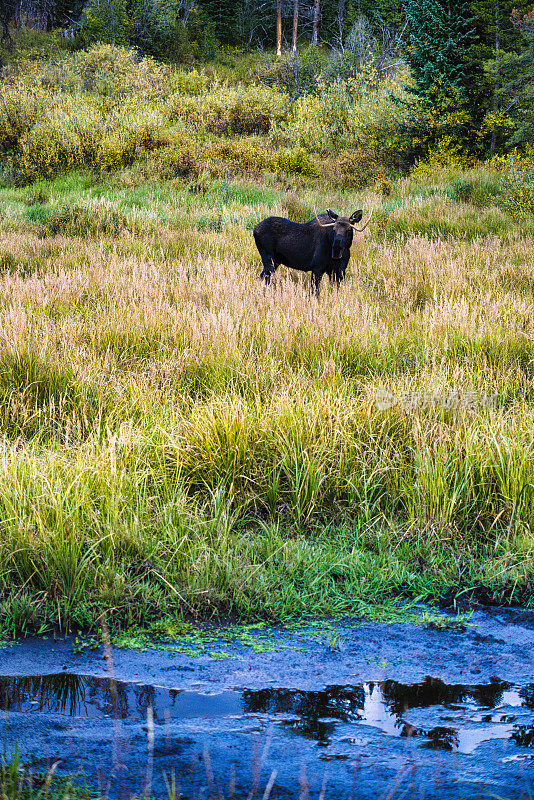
(178, 439)
(175, 438)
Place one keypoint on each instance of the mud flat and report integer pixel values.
(349, 710)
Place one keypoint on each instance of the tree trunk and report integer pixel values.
(316, 15)
(278, 28)
(295, 24)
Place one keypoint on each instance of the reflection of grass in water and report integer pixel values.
(63, 693)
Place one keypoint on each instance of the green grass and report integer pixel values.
(19, 782)
(218, 491)
(177, 442)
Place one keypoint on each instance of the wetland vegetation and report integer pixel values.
(178, 441)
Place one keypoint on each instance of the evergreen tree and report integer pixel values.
(441, 52)
(223, 14)
(518, 75)
(497, 39)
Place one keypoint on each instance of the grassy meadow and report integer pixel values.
(177, 440)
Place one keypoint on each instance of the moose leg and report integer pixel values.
(269, 266)
(315, 281)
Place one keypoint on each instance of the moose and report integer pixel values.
(320, 246)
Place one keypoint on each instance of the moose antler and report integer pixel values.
(364, 227)
(324, 224)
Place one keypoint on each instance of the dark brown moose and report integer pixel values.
(319, 246)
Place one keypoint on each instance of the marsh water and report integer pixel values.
(387, 711)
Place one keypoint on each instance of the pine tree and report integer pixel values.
(223, 15)
(498, 38)
(441, 51)
(518, 74)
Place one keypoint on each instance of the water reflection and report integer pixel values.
(95, 698)
(436, 715)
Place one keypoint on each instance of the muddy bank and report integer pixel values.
(366, 710)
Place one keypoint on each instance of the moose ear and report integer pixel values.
(332, 214)
(356, 217)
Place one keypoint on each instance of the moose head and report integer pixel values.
(342, 230)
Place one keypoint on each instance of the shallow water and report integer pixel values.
(435, 714)
(386, 716)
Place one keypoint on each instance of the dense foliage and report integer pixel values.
(471, 64)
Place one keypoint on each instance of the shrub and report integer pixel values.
(184, 108)
(245, 155)
(295, 73)
(74, 132)
(516, 182)
(226, 110)
(355, 170)
(335, 120)
(179, 163)
(21, 106)
(297, 162)
(295, 209)
(446, 153)
(97, 217)
(190, 83)
(64, 138)
(517, 193)
(140, 129)
(110, 72)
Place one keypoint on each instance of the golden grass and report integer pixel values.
(160, 405)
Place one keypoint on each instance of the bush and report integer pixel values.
(447, 153)
(517, 192)
(20, 108)
(245, 155)
(334, 120)
(93, 218)
(295, 209)
(190, 83)
(355, 170)
(64, 138)
(182, 163)
(111, 72)
(227, 110)
(296, 162)
(184, 108)
(295, 73)
(74, 132)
